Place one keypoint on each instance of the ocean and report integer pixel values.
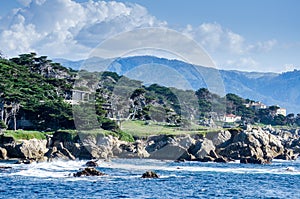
(281, 179)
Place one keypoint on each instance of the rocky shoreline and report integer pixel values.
(249, 145)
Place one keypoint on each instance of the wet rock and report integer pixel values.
(288, 155)
(254, 160)
(91, 164)
(150, 174)
(89, 171)
(5, 167)
(25, 161)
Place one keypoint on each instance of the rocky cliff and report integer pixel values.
(249, 145)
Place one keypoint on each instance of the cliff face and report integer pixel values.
(251, 145)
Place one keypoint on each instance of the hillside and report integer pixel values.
(270, 88)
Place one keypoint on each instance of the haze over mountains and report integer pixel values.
(270, 88)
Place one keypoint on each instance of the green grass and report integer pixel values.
(26, 135)
(140, 129)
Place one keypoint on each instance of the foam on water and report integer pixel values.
(119, 168)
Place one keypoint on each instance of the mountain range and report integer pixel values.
(282, 89)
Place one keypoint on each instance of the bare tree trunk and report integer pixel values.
(15, 122)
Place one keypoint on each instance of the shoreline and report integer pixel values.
(249, 145)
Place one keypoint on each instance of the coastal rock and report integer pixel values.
(89, 171)
(288, 155)
(3, 154)
(203, 149)
(33, 149)
(150, 174)
(254, 160)
(91, 164)
(253, 146)
(170, 147)
(5, 167)
(172, 151)
(157, 142)
(218, 137)
(24, 161)
(59, 152)
(130, 150)
(100, 147)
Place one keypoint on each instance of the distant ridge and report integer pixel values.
(271, 88)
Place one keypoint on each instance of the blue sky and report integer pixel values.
(244, 35)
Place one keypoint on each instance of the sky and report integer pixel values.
(248, 35)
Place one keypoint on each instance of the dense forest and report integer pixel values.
(36, 93)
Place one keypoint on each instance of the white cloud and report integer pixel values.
(214, 37)
(64, 28)
(242, 63)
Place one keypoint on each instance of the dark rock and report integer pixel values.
(5, 167)
(26, 161)
(89, 171)
(6, 140)
(150, 174)
(91, 164)
(253, 160)
(221, 160)
(288, 155)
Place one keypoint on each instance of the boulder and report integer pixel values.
(130, 150)
(172, 151)
(253, 146)
(91, 164)
(218, 137)
(98, 148)
(150, 174)
(33, 149)
(3, 153)
(202, 150)
(288, 155)
(157, 142)
(5, 167)
(59, 152)
(255, 160)
(89, 171)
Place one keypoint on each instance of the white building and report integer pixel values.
(281, 111)
(230, 118)
(256, 105)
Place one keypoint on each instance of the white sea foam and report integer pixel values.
(134, 168)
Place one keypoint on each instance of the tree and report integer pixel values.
(204, 100)
(290, 119)
(3, 127)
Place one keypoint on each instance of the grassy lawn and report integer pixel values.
(140, 129)
(26, 135)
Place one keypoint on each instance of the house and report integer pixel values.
(256, 105)
(281, 111)
(79, 96)
(230, 118)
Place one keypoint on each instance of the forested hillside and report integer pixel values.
(36, 93)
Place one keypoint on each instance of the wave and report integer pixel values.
(125, 168)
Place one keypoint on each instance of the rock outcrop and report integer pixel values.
(249, 145)
(3, 154)
(150, 174)
(89, 171)
(252, 146)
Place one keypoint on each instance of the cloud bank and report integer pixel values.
(67, 29)
(64, 28)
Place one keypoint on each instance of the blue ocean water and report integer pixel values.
(281, 179)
